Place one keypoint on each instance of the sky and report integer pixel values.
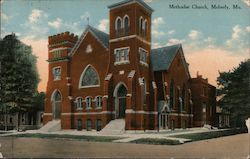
(213, 40)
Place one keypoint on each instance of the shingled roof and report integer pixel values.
(102, 37)
(162, 58)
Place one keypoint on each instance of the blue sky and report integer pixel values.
(203, 32)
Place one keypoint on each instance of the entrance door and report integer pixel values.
(120, 104)
(56, 102)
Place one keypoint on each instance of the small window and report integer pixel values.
(79, 103)
(88, 102)
(204, 107)
(145, 91)
(122, 55)
(126, 25)
(57, 73)
(145, 28)
(89, 49)
(98, 124)
(98, 102)
(140, 25)
(57, 54)
(143, 55)
(118, 26)
(88, 125)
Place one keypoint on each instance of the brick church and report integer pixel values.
(101, 77)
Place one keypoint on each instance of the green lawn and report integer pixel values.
(77, 137)
(155, 141)
(210, 135)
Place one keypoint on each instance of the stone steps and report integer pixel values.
(51, 126)
(114, 127)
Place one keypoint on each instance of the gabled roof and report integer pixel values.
(125, 2)
(102, 37)
(162, 58)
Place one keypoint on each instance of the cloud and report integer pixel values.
(148, 1)
(210, 42)
(171, 32)
(248, 28)
(85, 16)
(103, 25)
(239, 40)
(35, 15)
(56, 24)
(175, 41)
(247, 2)
(194, 34)
(5, 17)
(157, 33)
(35, 26)
(158, 21)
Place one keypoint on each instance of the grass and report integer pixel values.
(76, 137)
(210, 135)
(154, 141)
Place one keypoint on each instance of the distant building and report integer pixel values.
(99, 77)
(204, 101)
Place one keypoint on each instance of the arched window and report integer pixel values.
(118, 26)
(126, 24)
(89, 78)
(145, 28)
(171, 91)
(98, 101)
(184, 97)
(140, 25)
(78, 103)
(88, 102)
(145, 91)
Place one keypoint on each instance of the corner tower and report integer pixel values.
(58, 90)
(129, 72)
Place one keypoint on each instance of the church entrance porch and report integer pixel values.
(120, 94)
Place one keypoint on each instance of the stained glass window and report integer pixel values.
(90, 77)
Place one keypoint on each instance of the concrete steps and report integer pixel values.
(114, 127)
(51, 126)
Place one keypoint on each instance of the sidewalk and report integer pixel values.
(128, 136)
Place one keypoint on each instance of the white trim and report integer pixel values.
(116, 20)
(117, 87)
(124, 21)
(131, 111)
(186, 115)
(86, 107)
(105, 96)
(59, 49)
(47, 114)
(89, 113)
(52, 95)
(89, 86)
(122, 38)
(60, 73)
(124, 61)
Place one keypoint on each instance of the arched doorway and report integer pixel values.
(56, 104)
(120, 94)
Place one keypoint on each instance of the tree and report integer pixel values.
(234, 93)
(19, 77)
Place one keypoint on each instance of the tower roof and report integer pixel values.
(126, 2)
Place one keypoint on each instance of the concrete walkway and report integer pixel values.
(127, 136)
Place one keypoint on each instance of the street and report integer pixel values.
(236, 146)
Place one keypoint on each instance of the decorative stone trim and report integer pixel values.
(131, 111)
